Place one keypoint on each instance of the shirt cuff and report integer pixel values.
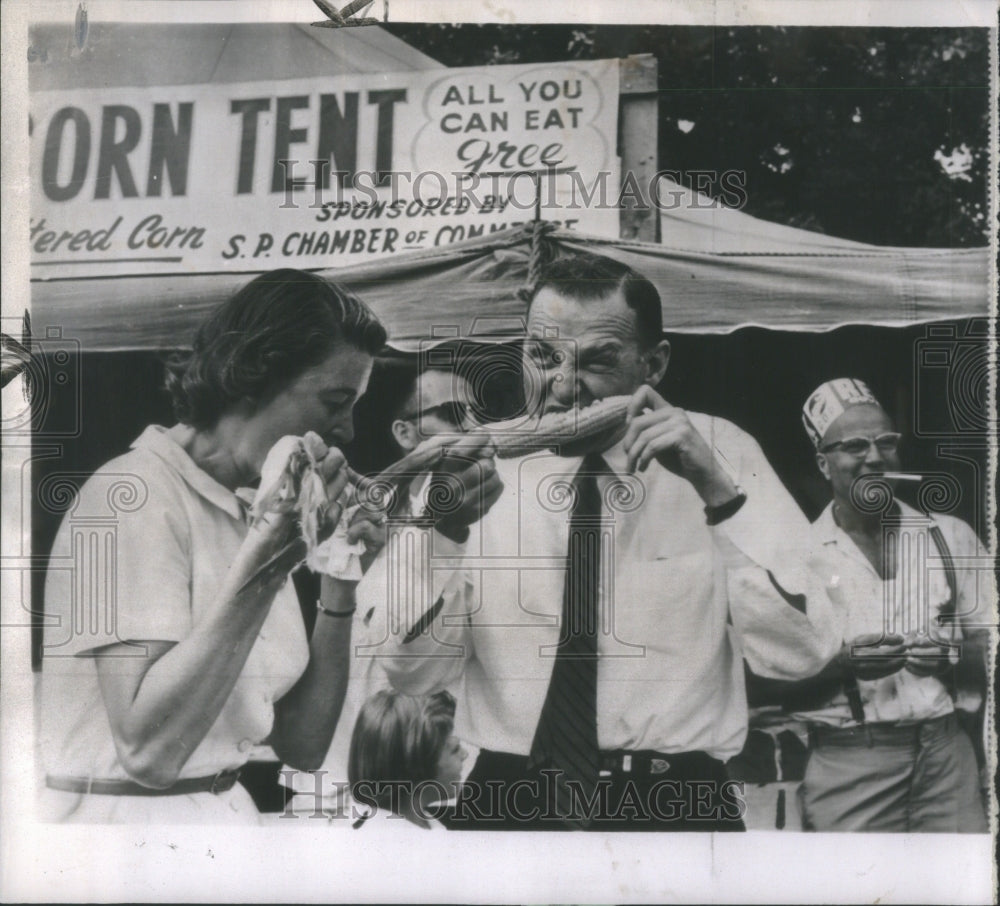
(754, 536)
(714, 515)
(444, 547)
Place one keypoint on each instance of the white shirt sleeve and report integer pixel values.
(975, 576)
(975, 609)
(780, 608)
(427, 596)
(121, 580)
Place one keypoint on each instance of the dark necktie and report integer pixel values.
(566, 738)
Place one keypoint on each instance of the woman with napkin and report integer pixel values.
(175, 644)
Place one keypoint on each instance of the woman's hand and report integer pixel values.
(327, 483)
(330, 464)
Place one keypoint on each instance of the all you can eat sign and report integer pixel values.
(315, 172)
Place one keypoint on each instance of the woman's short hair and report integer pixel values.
(587, 278)
(277, 326)
(399, 737)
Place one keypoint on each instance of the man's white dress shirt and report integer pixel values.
(910, 601)
(681, 604)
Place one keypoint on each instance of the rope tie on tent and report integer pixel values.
(540, 254)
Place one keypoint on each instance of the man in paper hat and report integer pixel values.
(886, 749)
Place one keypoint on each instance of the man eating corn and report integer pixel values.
(614, 589)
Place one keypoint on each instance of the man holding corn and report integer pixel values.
(614, 589)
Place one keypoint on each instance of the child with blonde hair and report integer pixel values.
(404, 760)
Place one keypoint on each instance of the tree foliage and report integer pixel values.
(877, 135)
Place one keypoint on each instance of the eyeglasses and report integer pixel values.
(453, 413)
(859, 446)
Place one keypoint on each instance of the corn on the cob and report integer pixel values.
(567, 430)
(289, 479)
(378, 493)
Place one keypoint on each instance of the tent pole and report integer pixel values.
(638, 146)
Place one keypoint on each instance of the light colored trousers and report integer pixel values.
(893, 779)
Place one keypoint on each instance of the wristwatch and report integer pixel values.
(716, 514)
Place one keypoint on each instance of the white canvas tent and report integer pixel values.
(717, 268)
(473, 287)
(119, 54)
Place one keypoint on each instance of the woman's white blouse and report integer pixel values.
(140, 556)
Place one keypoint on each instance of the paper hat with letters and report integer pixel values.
(829, 401)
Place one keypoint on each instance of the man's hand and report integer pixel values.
(367, 527)
(464, 487)
(925, 657)
(874, 655)
(370, 528)
(661, 431)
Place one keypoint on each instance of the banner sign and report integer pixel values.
(316, 172)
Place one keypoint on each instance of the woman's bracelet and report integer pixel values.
(335, 613)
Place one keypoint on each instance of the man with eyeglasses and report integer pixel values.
(886, 749)
(412, 406)
(436, 404)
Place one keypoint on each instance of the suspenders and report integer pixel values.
(947, 614)
(950, 606)
(949, 610)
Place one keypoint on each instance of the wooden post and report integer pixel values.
(638, 142)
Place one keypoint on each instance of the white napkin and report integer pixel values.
(277, 489)
(336, 556)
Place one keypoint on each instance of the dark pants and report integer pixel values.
(686, 792)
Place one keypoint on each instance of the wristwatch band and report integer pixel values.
(716, 514)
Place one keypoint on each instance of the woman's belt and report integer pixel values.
(217, 783)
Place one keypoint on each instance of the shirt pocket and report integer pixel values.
(663, 602)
